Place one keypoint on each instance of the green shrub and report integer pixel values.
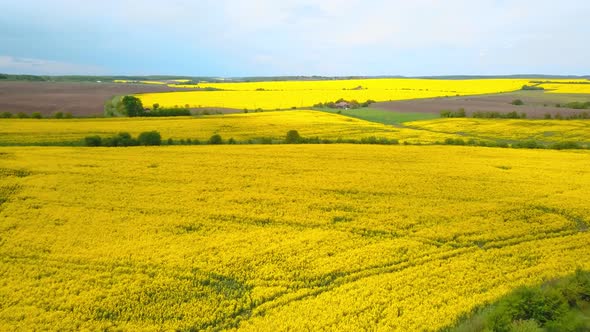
(22, 115)
(159, 112)
(558, 305)
(58, 115)
(36, 115)
(460, 113)
(121, 139)
(369, 140)
(498, 115)
(568, 145)
(457, 141)
(530, 144)
(6, 115)
(68, 115)
(93, 140)
(216, 139)
(517, 102)
(293, 137)
(150, 138)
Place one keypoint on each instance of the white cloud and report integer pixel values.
(16, 65)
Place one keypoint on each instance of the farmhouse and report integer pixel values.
(343, 105)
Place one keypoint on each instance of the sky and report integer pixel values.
(231, 38)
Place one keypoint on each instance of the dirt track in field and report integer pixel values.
(536, 104)
(80, 99)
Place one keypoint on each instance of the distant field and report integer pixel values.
(80, 99)
(274, 125)
(290, 237)
(376, 114)
(510, 130)
(568, 88)
(238, 126)
(301, 94)
(536, 104)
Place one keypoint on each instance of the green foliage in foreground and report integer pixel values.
(559, 305)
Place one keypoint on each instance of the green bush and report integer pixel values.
(58, 115)
(22, 115)
(68, 115)
(498, 115)
(216, 139)
(530, 144)
(460, 113)
(293, 137)
(36, 115)
(517, 102)
(150, 138)
(558, 305)
(6, 115)
(159, 112)
(93, 140)
(578, 105)
(457, 141)
(566, 146)
(121, 139)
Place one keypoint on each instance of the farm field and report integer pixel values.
(274, 125)
(239, 126)
(568, 88)
(536, 104)
(290, 237)
(79, 99)
(510, 129)
(302, 94)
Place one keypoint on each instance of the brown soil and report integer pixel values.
(536, 104)
(80, 99)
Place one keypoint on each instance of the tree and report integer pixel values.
(293, 137)
(132, 106)
(150, 138)
(215, 139)
(6, 115)
(58, 115)
(36, 115)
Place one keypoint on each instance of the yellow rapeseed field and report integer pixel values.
(510, 129)
(288, 94)
(277, 238)
(274, 125)
(568, 88)
(241, 126)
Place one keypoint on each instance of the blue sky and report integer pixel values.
(295, 37)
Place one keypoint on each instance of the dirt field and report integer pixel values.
(80, 99)
(536, 104)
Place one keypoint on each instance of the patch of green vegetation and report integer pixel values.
(381, 116)
(558, 305)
